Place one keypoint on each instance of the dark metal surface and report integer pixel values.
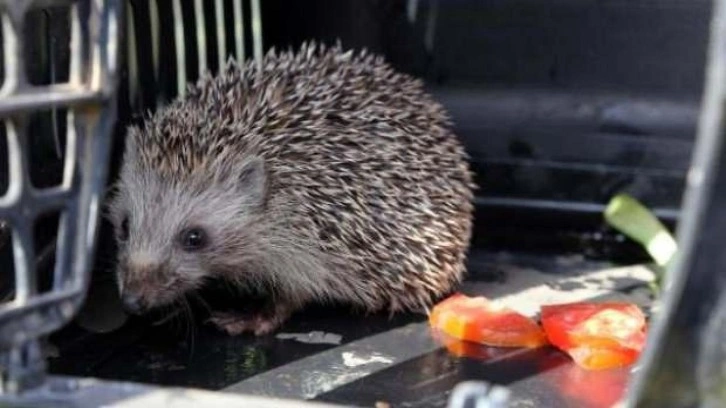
(378, 359)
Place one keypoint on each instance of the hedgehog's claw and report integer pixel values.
(235, 324)
(261, 323)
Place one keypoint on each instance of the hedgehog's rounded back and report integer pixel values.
(358, 189)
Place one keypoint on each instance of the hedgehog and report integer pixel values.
(315, 176)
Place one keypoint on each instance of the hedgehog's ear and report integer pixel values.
(251, 178)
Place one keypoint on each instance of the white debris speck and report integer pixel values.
(350, 359)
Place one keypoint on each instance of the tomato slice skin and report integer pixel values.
(596, 335)
(479, 320)
(602, 358)
(468, 349)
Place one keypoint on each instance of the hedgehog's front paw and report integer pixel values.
(235, 324)
(260, 323)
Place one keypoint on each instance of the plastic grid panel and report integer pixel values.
(89, 98)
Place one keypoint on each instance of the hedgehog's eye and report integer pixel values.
(124, 232)
(192, 239)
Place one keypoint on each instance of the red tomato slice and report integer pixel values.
(596, 335)
(594, 324)
(478, 320)
(602, 358)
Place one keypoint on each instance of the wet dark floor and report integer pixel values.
(172, 355)
(182, 354)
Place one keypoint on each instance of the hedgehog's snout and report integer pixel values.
(145, 286)
(132, 303)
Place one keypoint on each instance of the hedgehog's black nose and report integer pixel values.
(132, 303)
